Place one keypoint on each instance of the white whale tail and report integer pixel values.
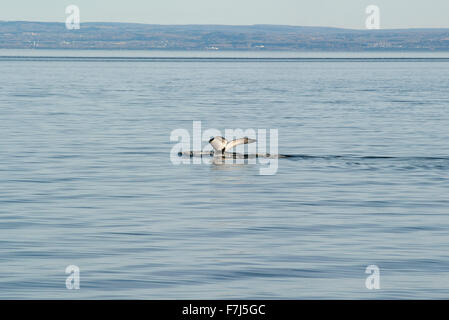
(223, 145)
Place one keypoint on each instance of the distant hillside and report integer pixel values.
(45, 35)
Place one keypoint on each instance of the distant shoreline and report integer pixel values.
(135, 36)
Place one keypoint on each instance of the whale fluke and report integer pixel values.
(223, 145)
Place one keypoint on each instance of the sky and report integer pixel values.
(332, 13)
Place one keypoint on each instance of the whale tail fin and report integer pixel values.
(218, 143)
(237, 142)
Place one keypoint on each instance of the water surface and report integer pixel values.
(86, 178)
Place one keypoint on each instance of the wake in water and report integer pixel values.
(403, 163)
(306, 157)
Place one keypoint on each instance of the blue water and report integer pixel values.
(86, 178)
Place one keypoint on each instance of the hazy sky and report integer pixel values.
(335, 13)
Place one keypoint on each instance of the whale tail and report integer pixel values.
(222, 145)
(218, 143)
(237, 142)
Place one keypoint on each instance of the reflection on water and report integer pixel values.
(229, 164)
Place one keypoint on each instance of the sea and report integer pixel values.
(93, 205)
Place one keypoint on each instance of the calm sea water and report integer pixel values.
(86, 178)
